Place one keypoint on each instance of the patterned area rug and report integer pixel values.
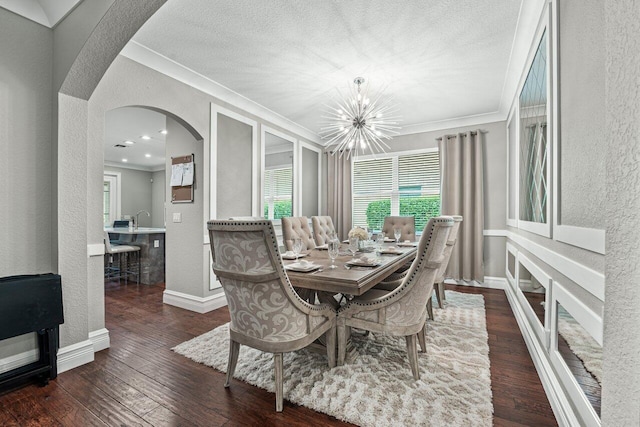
(377, 388)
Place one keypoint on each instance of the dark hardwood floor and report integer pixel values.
(140, 381)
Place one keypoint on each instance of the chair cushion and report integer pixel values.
(118, 249)
(297, 227)
(406, 224)
(322, 229)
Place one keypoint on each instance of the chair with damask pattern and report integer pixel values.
(266, 313)
(395, 279)
(402, 311)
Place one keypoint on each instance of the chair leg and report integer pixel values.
(234, 350)
(421, 339)
(440, 293)
(430, 309)
(277, 363)
(330, 337)
(342, 344)
(412, 352)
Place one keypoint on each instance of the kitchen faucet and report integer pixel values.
(137, 215)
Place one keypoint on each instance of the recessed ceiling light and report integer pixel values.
(124, 160)
(129, 142)
(145, 137)
(163, 131)
(147, 155)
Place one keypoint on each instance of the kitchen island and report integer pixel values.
(151, 243)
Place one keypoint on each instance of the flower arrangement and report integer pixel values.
(360, 233)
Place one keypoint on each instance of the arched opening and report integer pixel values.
(139, 145)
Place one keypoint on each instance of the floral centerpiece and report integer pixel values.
(360, 233)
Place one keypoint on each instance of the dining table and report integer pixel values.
(346, 279)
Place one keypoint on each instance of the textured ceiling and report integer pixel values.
(439, 60)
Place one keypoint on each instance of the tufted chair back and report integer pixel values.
(322, 229)
(297, 227)
(406, 223)
(266, 313)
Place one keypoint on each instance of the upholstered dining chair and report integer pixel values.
(266, 313)
(402, 311)
(448, 250)
(406, 224)
(297, 227)
(322, 229)
(395, 279)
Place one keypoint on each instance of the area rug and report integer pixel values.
(581, 343)
(377, 388)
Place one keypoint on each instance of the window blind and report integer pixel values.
(396, 185)
(278, 188)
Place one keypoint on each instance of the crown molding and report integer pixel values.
(47, 13)
(160, 63)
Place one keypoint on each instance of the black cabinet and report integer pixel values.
(32, 304)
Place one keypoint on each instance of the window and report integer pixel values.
(407, 185)
(110, 198)
(278, 187)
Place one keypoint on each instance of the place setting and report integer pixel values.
(302, 266)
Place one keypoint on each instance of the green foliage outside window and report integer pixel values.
(422, 208)
(281, 208)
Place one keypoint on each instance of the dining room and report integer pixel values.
(381, 230)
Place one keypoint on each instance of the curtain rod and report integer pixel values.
(473, 132)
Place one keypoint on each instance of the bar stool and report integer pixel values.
(119, 261)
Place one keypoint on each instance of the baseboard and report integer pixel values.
(18, 360)
(100, 339)
(75, 355)
(558, 400)
(193, 303)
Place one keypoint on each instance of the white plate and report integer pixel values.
(322, 247)
(389, 239)
(296, 266)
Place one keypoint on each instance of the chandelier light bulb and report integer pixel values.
(355, 122)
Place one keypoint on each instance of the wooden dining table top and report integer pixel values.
(353, 281)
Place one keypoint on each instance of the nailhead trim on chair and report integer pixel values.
(269, 226)
(409, 280)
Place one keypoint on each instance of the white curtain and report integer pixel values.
(339, 193)
(461, 165)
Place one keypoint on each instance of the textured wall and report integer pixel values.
(582, 90)
(621, 383)
(184, 240)
(25, 146)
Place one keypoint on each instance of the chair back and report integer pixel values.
(297, 227)
(107, 243)
(322, 229)
(406, 224)
(406, 305)
(448, 249)
(262, 304)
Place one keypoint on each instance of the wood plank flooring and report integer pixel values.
(139, 381)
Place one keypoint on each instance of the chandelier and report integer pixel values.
(358, 124)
